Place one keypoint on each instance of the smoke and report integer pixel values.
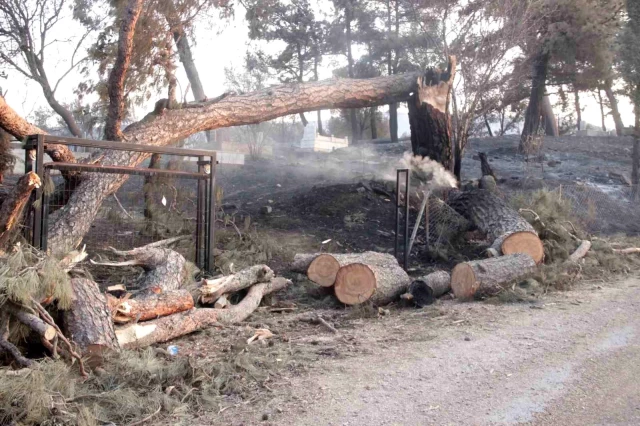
(429, 173)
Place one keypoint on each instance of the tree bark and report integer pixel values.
(603, 117)
(13, 207)
(118, 74)
(174, 326)
(509, 232)
(88, 320)
(429, 117)
(550, 121)
(489, 277)
(534, 109)
(212, 290)
(615, 112)
(425, 290)
(150, 306)
(70, 224)
(370, 276)
(487, 125)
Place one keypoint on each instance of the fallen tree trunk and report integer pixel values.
(488, 277)
(320, 268)
(88, 320)
(13, 207)
(370, 276)
(69, 224)
(150, 307)
(212, 290)
(509, 232)
(425, 290)
(174, 326)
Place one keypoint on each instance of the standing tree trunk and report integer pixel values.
(615, 112)
(118, 74)
(316, 77)
(602, 114)
(534, 110)
(429, 117)
(374, 128)
(576, 94)
(635, 171)
(550, 120)
(487, 125)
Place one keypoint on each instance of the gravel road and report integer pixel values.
(574, 359)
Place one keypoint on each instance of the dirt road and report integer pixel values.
(574, 359)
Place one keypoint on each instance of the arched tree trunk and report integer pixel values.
(429, 116)
(534, 110)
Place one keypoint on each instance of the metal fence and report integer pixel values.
(177, 198)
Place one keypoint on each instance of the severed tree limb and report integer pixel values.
(12, 208)
(174, 326)
(46, 331)
(212, 290)
(150, 307)
(580, 252)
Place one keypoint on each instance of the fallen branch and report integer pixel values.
(150, 306)
(9, 347)
(174, 326)
(580, 252)
(630, 250)
(327, 325)
(212, 290)
(46, 331)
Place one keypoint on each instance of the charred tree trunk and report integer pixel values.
(374, 127)
(487, 125)
(505, 228)
(615, 112)
(88, 321)
(393, 122)
(550, 120)
(603, 116)
(425, 290)
(429, 117)
(115, 113)
(485, 166)
(534, 110)
(489, 277)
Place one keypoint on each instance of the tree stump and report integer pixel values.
(488, 277)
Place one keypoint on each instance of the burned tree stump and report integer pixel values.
(506, 228)
(428, 116)
(488, 277)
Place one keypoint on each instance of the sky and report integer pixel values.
(218, 46)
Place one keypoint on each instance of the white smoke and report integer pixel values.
(429, 173)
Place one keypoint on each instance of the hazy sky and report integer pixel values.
(216, 49)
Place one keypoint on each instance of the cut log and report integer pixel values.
(425, 290)
(370, 276)
(321, 268)
(151, 306)
(13, 207)
(212, 290)
(580, 252)
(174, 326)
(46, 331)
(488, 277)
(88, 321)
(509, 232)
